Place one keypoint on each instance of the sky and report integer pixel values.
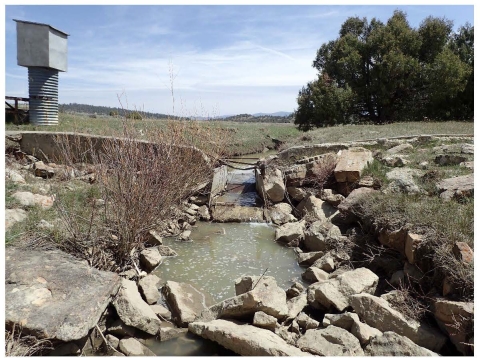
(216, 59)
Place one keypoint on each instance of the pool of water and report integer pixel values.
(221, 253)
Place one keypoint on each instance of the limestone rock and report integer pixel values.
(318, 234)
(148, 287)
(308, 258)
(133, 310)
(402, 180)
(332, 197)
(26, 198)
(42, 170)
(273, 185)
(14, 176)
(377, 313)
(244, 339)
(314, 274)
(351, 164)
(112, 340)
(185, 301)
(393, 344)
(395, 160)
(281, 213)
(331, 341)
(45, 292)
(463, 252)
(266, 297)
(263, 320)
(150, 258)
(411, 244)
(290, 233)
(154, 239)
(336, 292)
(297, 194)
(296, 305)
(295, 175)
(394, 239)
(204, 213)
(364, 332)
(295, 290)
(307, 322)
(342, 320)
(401, 148)
(449, 159)
(167, 333)
(325, 263)
(162, 311)
(132, 347)
(120, 329)
(316, 207)
(166, 251)
(13, 216)
(351, 202)
(461, 186)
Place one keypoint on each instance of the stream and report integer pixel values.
(218, 254)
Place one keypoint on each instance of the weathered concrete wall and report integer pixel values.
(220, 176)
(48, 146)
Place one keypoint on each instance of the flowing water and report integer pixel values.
(218, 254)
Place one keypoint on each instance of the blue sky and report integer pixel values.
(224, 59)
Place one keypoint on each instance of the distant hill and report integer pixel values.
(277, 117)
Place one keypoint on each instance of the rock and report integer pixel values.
(43, 224)
(150, 258)
(342, 320)
(351, 164)
(457, 187)
(412, 242)
(377, 313)
(26, 198)
(112, 340)
(331, 341)
(295, 290)
(266, 297)
(402, 181)
(244, 339)
(325, 263)
(42, 170)
(53, 295)
(423, 165)
(296, 305)
(336, 292)
(287, 333)
(185, 301)
(153, 238)
(120, 329)
(316, 207)
(237, 214)
(204, 213)
(449, 159)
(463, 148)
(14, 176)
(133, 310)
(13, 216)
(307, 322)
(167, 333)
(394, 239)
(469, 165)
(314, 274)
(290, 233)
(295, 175)
(199, 200)
(281, 213)
(364, 332)
(185, 235)
(456, 319)
(393, 344)
(398, 278)
(265, 321)
(318, 235)
(297, 194)
(162, 312)
(308, 258)
(395, 160)
(166, 251)
(463, 252)
(331, 197)
(132, 347)
(367, 182)
(413, 272)
(148, 287)
(405, 147)
(273, 185)
(351, 203)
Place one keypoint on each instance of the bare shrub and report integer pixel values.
(18, 346)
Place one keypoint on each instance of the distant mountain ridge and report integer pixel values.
(276, 117)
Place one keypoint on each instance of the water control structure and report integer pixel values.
(43, 50)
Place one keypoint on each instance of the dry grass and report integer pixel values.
(18, 346)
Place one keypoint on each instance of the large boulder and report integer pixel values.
(132, 347)
(337, 291)
(295, 176)
(457, 187)
(351, 163)
(403, 181)
(393, 344)
(14, 176)
(237, 214)
(331, 341)
(265, 321)
(281, 213)
(317, 208)
(319, 234)
(273, 186)
(290, 233)
(296, 305)
(314, 274)
(13, 216)
(308, 258)
(376, 312)
(350, 205)
(150, 258)
(254, 293)
(401, 148)
(243, 339)
(351, 322)
(25, 198)
(148, 287)
(133, 310)
(185, 302)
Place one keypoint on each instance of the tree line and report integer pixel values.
(381, 73)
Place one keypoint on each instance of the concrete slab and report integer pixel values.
(53, 295)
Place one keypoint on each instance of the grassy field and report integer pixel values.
(247, 138)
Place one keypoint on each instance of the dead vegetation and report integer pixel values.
(17, 345)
